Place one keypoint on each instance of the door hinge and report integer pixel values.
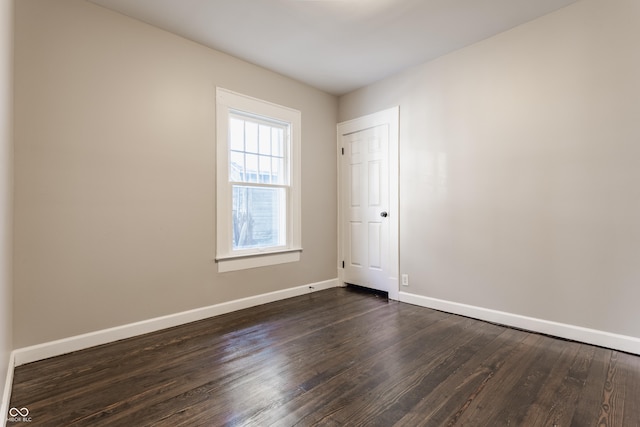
(342, 264)
(343, 151)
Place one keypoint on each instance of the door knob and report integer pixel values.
(384, 214)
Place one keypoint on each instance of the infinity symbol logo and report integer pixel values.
(14, 412)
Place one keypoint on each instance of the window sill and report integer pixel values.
(243, 262)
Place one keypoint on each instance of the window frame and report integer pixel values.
(228, 104)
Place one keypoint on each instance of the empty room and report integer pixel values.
(320, 212)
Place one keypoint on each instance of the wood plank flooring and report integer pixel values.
(339, 357)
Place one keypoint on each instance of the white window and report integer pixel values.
(258, 182)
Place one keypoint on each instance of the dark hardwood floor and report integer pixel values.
(334, 358)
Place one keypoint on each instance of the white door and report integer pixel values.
(368, 216)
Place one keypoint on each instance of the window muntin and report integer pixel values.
(257, 150)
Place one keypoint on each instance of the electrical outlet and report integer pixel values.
(405, 280)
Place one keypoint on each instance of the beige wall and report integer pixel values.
(520, 168)
(115, 176)
(6, 67)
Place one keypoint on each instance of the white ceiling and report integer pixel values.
(335, 45)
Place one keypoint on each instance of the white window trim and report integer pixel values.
(226, 102)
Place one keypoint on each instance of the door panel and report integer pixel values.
(355, 236)
(375, 245)
(365, 164)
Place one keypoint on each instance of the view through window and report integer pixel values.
(259, 176)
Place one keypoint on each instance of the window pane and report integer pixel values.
(251, 137)
(265, 169)
(236, 134)
(265, 139)
(277, 141)
(236, 169)
(259, 217)
(251, 168)
(277, 171)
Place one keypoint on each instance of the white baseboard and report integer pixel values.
(80, 342)
(6, 395)
(576, 333)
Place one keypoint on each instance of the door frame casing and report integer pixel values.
(390, 117)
